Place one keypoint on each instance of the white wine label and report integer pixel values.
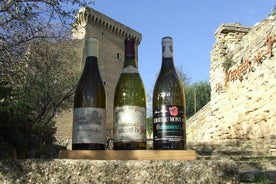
(130, 123)
(89, 125)
(130, 69)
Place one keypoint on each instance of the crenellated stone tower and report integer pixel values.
(111, 35)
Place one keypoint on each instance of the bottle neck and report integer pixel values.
(167, 55)
(91, 66)
(91, 63)
(167, 65)
(130, 62)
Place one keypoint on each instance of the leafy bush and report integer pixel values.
(43, 85)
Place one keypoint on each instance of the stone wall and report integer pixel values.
(243, 86)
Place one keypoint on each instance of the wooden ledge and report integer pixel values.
(128, 154)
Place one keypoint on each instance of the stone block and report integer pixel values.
(273, 152)
(117, 171)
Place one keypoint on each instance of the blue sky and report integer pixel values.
(191, 23)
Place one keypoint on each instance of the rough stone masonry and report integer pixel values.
(243, 87)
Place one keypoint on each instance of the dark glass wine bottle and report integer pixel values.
(168, 104)
(89, 118)
(129, 128)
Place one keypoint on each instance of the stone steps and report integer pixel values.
(257, 176)
(253, 169)
(248, 163)
(262, 169)
(254, 166)
(262, 164)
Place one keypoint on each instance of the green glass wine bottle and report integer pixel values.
(129, 128)
(168, 104)
(89, 116)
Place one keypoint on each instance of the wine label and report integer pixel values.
(89, 125)
(130, 124)
(168, 123)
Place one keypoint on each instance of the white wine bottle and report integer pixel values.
(129, 128)
(89, 117)
(168, 104)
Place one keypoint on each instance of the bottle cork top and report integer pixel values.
(92, 40)
(91, 46)
(167, 39)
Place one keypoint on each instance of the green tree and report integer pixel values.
(149, 125)
(44, 84)
(37, 71)
(197, 95)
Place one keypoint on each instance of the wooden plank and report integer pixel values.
(128, 154)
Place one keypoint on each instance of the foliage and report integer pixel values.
(184, 78)
(228, 63)
(273, 11)
(149, 126)
(262, 178)
(43, 84)
(37, 73)
(197, 95)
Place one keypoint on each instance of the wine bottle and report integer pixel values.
(168, 104)
(89, 116)
(129, 128)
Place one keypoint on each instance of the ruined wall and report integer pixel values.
(243, 86)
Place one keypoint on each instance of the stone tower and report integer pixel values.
(111, 35)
